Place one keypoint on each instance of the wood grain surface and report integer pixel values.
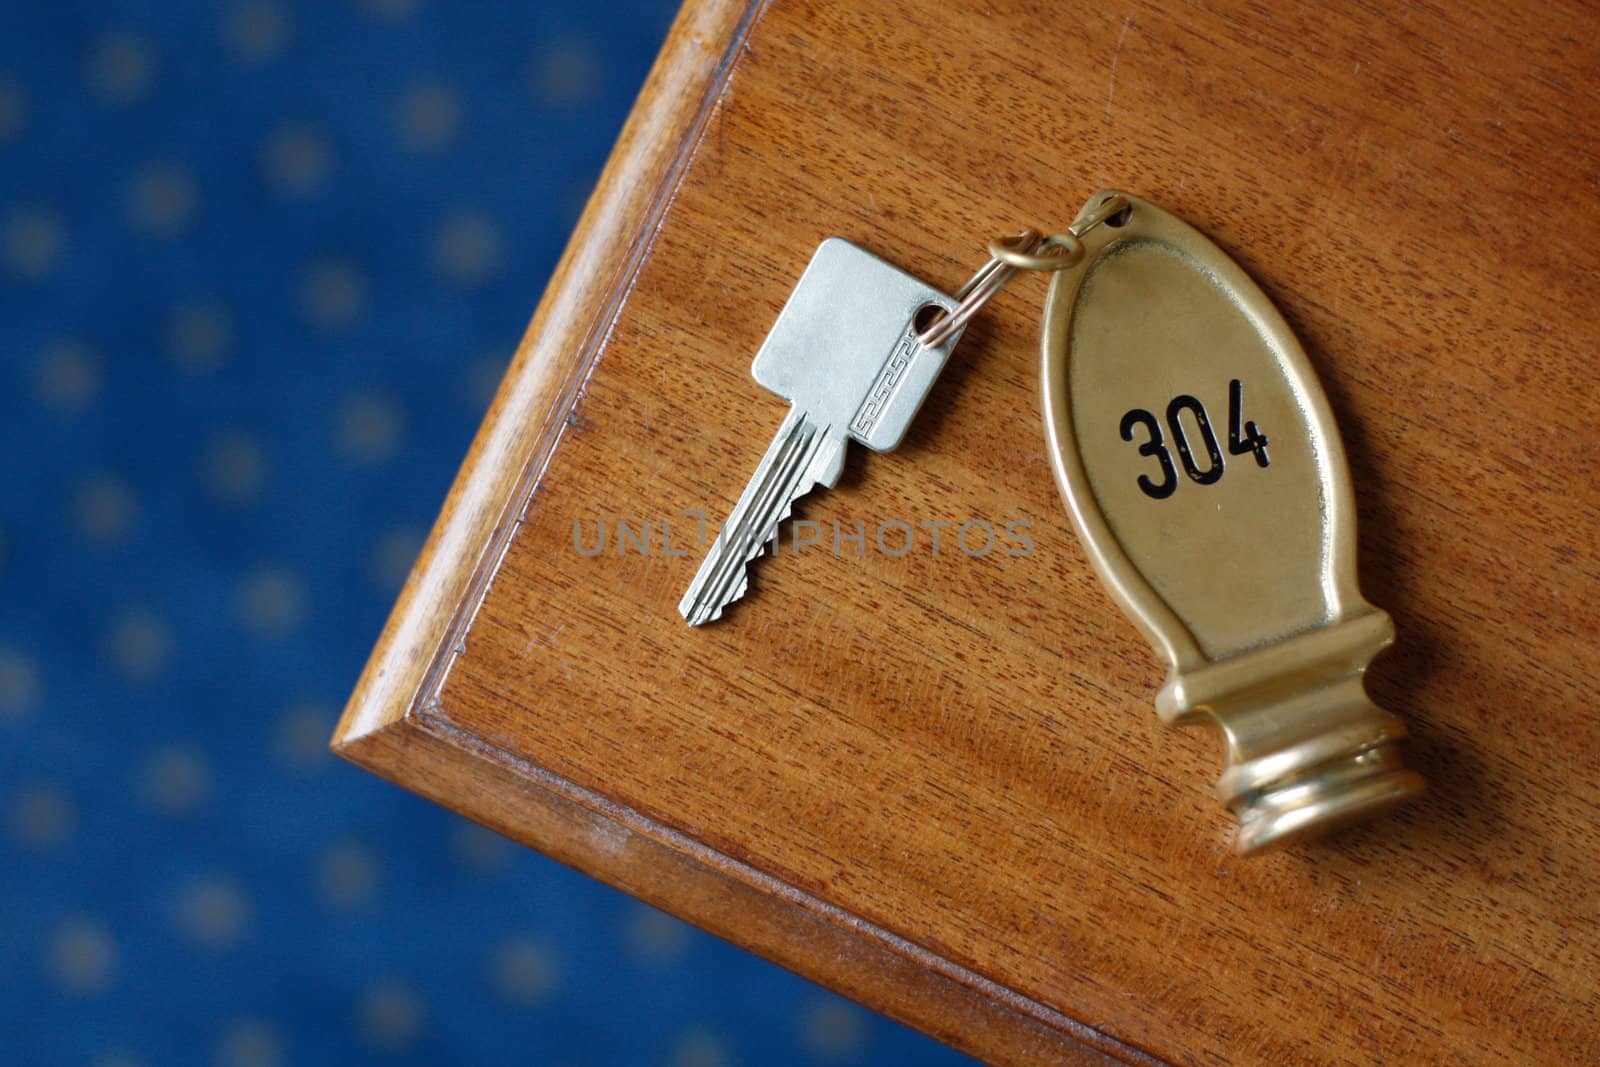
(936, 782)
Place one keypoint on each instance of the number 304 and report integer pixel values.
(1243, 438)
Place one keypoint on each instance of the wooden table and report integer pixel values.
(935, 783)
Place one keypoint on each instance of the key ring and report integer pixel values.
(1028, 250)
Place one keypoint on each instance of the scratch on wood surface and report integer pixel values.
(1116, 54)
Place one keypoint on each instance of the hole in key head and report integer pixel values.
(926, 316)
(1120, 219)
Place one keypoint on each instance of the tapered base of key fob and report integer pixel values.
(1335, 794)
(1308, 750)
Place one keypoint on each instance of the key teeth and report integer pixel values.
(713, 612)
(742, 585)
(788, 471)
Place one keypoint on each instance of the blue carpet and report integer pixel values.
(261, 264)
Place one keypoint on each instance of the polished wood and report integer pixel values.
(935, 782)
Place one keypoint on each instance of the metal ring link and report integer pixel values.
(1028, 250)
(988, 283)
(1050, 254)
(1105, 211)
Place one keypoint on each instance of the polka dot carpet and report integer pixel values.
(261, 262)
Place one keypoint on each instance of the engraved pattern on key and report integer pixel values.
(888, 378)
(844, 353)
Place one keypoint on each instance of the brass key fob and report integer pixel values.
(1203, 471)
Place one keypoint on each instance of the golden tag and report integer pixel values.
(1200, 463)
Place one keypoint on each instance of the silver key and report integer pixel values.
(844, 353)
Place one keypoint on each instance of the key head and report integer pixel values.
(844, 348)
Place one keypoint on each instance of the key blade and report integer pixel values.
(785, 474)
